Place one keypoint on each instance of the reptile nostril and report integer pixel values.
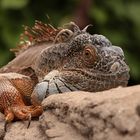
(115, 67)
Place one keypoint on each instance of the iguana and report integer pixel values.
(55, 60)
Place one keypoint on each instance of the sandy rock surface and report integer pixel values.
(107, 115)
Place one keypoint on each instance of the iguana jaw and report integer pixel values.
(89, 81)
(76, 79)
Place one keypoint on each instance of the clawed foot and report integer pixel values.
(22, 113)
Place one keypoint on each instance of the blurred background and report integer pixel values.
(118, 20)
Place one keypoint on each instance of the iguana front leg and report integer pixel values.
(15, 92)
(51, 84)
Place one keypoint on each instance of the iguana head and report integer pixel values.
(78, 60)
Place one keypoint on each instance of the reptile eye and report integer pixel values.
(89, 54)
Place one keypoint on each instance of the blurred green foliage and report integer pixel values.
(117, 20)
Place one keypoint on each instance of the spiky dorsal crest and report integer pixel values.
(40, 32)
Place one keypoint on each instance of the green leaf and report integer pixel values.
(133, 64)
(10, 37)
(118, 7)
(116, 37)
(99, 14)
(133, 12)
(13, 4)
(4, 57)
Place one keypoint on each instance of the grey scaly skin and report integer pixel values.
(81, 62)
(57, 61)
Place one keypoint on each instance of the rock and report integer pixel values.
(18, 131)
(107, 115)
(57, 130)
(2, 132)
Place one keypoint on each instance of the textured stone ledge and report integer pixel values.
(107, 115)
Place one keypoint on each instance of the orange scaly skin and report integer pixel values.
(15, 94)
(15, 87)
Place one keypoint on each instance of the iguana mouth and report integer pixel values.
(93, 74)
